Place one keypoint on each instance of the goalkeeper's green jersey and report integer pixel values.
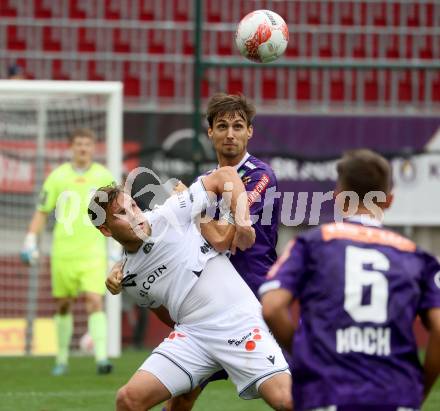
(69, 191)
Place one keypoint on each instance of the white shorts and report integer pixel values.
(237, 341)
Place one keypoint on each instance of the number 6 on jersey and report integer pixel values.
(358, 278)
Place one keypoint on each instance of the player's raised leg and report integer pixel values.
(143, 391)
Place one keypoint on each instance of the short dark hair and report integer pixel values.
(364, 170)
(82, 132)
(222, 103)
(102, 201)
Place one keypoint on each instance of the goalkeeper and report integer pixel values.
(78, 260)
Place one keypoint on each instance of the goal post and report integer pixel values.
(35, 119)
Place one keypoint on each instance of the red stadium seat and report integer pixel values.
(166, 80)
(57, 71)
(156, 41)
(436, 89)
(371, 87)
(74, 11)
(235, 83)
(42, 10)
(182, 9)
(93, 73)
(303, 85)
(337, 85)
(131, 82)
(269, 84)
(50, 42)
(7, 10)
(121, 43)
(146, 10)
(405, 92)
(84, 39)
(110, 11)
(15, 42)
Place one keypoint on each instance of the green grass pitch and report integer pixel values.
(26, 385)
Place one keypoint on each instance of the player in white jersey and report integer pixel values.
(169, 267)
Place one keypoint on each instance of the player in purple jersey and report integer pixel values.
(360, 287)
(230, 128)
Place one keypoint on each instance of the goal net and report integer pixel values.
(36, 118)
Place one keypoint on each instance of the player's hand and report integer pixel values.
(29, 253)
(244, 238)
(114, 279)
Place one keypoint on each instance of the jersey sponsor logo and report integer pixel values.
(151, 278)
(437, 279)
(239, 341)
(205, 248)
(128, 281)
(366, 340)
(369, 235)
(147, 247)
(260, 187)
(251, 339)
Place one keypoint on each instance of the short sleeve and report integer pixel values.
(289, 270)
(182, 207)
(261, 181)
(430, 285)
(48, 194)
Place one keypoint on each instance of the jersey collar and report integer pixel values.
(365, 219)
(242, 161)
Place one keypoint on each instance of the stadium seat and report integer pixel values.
(50, 42)
(85, 39)
(121, 41)
(392, 31)
(131, 80)
(303, 85)
(7, 10)
(42, 9)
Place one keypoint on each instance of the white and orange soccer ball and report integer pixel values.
(262, 36)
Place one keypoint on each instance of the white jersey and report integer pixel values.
(169, 263)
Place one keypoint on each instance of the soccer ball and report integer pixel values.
(86, 344)
(262, 36)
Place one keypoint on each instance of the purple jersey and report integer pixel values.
(261, 186)
(260, 183)
(360, 289)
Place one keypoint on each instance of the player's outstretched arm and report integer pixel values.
(218, 233)
(432, 357)
(276, 312)
(226, 181)
(29, 253)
